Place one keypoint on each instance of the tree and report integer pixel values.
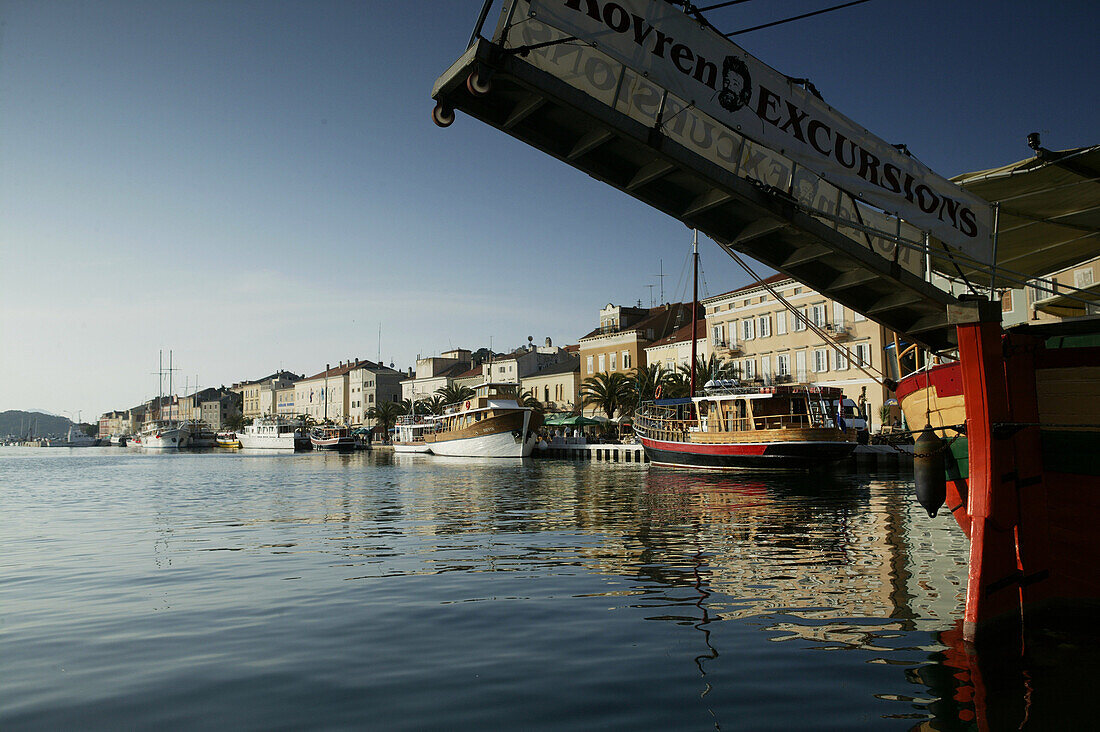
(647, 378)
(385, 414)
(453, 393)
(708, 369)
(528, 399)
(611, 392)
(433, 405)
(237, 422)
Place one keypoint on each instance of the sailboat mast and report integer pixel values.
(694, 303)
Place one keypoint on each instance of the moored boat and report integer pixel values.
(164, 435)
(1016, 430)
(409, 434)
(274, 433)
(227, 439)
(730, 426)
(332, 438)
(489, 424)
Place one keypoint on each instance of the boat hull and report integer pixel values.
(411, 447)
(1023, 482)
(506, 435)
(340, 444)
(746, 456)
(165, 440)
(272, 442)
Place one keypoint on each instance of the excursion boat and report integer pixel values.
(164, 435)
(489, 424)
(274, 433)
(731, 427)
(409, 434)
(227, 439)
(331, 438)
(1010, 446)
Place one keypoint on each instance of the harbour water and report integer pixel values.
(381, 591)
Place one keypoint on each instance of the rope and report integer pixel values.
(881, 379)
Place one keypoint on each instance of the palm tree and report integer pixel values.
(647, 378)
(708, 369)
(385, 414)
(453, 393)
(433, 405)
(610, 392)
(528, 399)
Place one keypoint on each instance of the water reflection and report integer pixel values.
(626, 596)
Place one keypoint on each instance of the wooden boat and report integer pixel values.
(788, 426)
(1017, 419)
(489, 424)
(332, 438)
(409, 434)
(227, 439)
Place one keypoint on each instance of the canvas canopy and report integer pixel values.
(1049, 215)
(571, 420)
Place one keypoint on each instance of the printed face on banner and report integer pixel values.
(679, 55)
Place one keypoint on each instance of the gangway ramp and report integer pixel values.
(500, 86)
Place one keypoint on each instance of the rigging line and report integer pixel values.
(797, 17)
(853, 359)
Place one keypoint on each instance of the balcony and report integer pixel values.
(730, 349)
(839, 332)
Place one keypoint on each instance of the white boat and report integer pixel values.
(273, 433)
(119, 440)
(78, 438)
(332, 438)
(409, 434)
(489, 424)
(165, 434)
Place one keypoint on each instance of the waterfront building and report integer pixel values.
(284, 402)
(325, 395)
(619, 343)
(674, 350)
(435, 372)
(258, 397)
(217, 412)
(472, 377)
(114, 423)
(770, 345)
(369, 384)
(558, 386)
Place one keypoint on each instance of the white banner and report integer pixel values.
(693, 62)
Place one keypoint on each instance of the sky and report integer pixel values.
(257, 186)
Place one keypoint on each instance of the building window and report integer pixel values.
(589, 364)
(783, 364)
(840, 360)
(626, 360)
(821, 360)
(781, 322)
(718, 335)
(603, 362)
(764, 323)
(748, 369)
(817, 316)
(612, 358)
(838, 314)
(747, 329)
(862, 354)
(1082, 278)
(799, 320)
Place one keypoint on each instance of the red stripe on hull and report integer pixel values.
(706, 449)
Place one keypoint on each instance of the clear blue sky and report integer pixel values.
(258, 185)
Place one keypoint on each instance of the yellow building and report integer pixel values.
(769, 344)
(557, 386)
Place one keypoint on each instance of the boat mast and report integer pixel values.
(694, 303)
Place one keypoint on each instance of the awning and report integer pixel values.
(571, 420)
(1049, 213)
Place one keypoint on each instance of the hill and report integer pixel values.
(42, 424)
